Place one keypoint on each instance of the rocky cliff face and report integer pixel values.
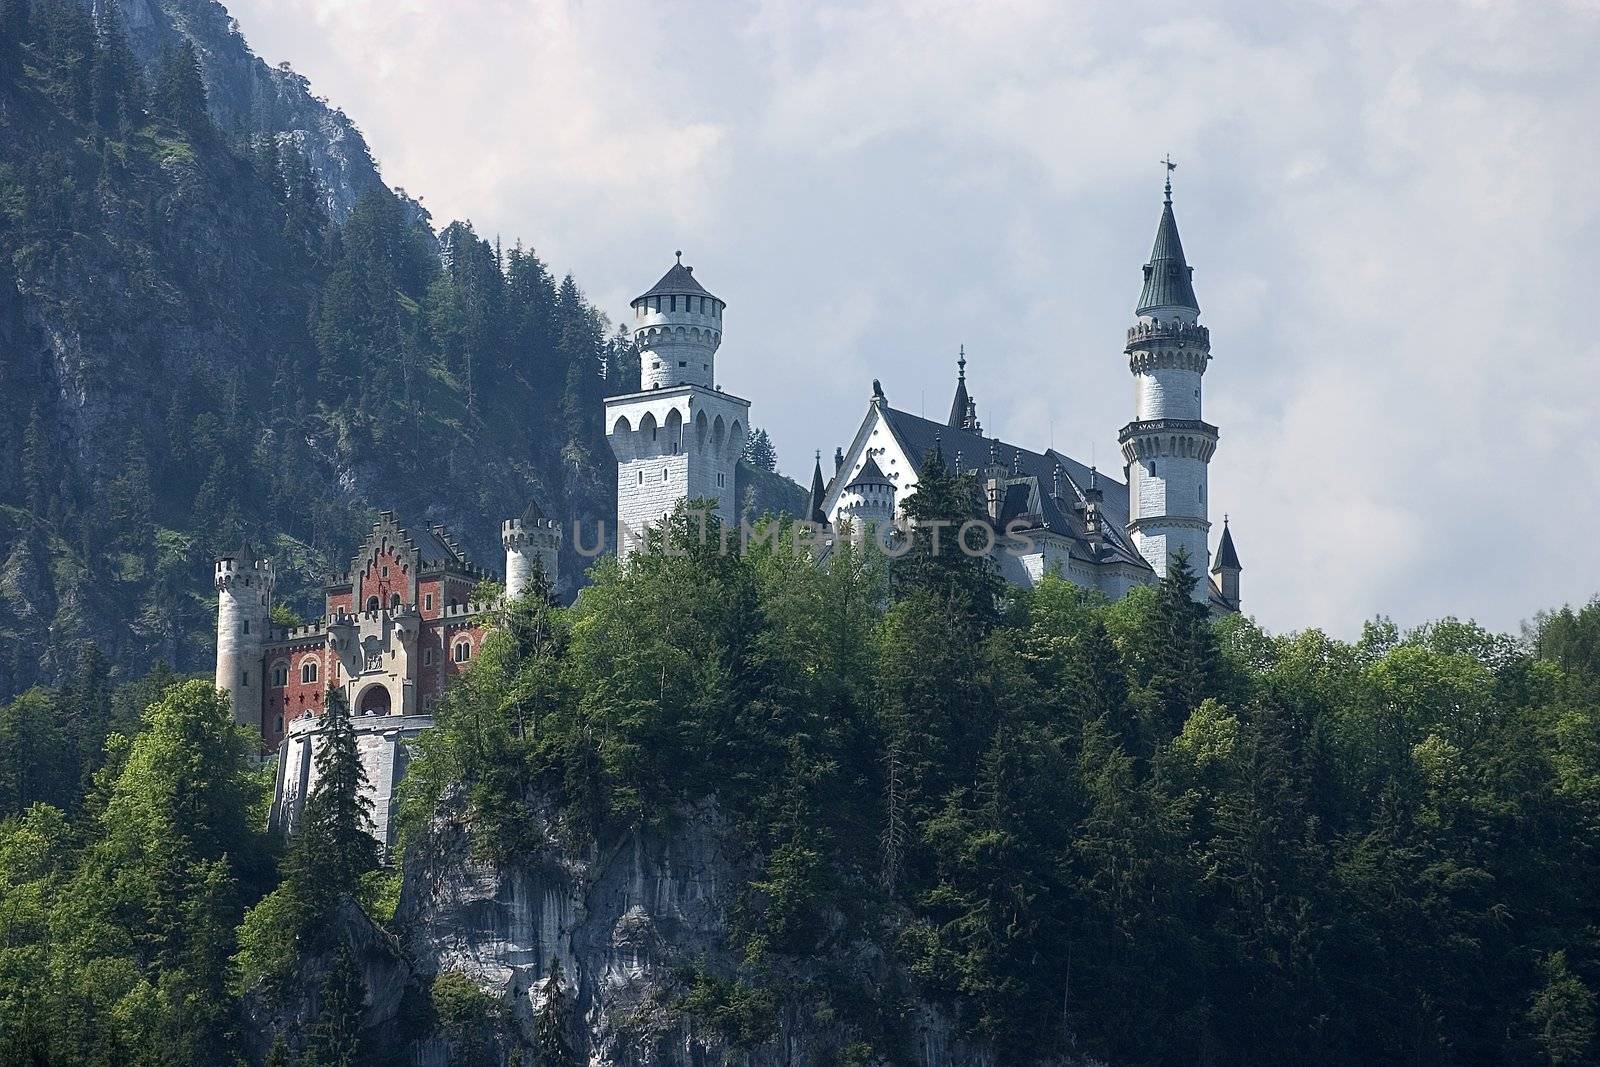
(627, 921)
(246, 93)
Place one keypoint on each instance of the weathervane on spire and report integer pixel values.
(1171, 166)
(679, 252)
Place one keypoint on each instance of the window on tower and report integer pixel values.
(308, 672)
(247, 626)
(372, 603)
(463, 652)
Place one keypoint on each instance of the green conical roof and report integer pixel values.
(1168, 278)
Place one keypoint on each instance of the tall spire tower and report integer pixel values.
(680, 436)
(1167, 446)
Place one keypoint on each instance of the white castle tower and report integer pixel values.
(680, 436)
(1167, 446)
(244, 617)
(532, 541)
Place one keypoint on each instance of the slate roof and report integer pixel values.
(871, 474)
(1168, 278)
(676, 282)
(818, 490)
(437, 548)
(958, 407)
(918, 435)
(1227, 557)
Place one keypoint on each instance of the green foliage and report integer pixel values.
(119, 929)
(742, 1014)
(135, 225)
(759, 451)
(332, 860)
(335, 1033)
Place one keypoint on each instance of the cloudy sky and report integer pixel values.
(1390, 209)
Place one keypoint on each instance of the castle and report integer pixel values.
(401, 624)
(680, 437)
(398, 628)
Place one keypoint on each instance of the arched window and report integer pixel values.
(308, 671)
(280, 674)
(394, 601)
(463, 651)
(372, 603)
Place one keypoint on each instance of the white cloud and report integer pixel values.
(1387, 206)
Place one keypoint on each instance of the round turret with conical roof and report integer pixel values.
(867, 502)
(677, 325)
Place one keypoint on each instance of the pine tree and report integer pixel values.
(180, 92)
(333, 846)
(758, 451)
(1562, 1015)
(550, 1025)
(1183, 654)
(966, 587)
(117, 88)
(335, 1038)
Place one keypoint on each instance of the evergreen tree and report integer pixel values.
(333, 846)
(117, 88)
(967, 587)
(1562, 1014)
(758, 451)
(550, 1024)
(335, 1037)
(180, 92)
(1182, 652)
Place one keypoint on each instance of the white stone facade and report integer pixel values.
(382, 742)
(244, 618)
(530, 543)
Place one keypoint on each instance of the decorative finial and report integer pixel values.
(679, 254)
(1016, 461)
(1094, 477)
(877, 390)
(961, 364)
(1224, 518)
(1171, 166)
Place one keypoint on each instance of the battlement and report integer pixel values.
(1173, 331)
(230, 570)
(315, 628)
(462, 611)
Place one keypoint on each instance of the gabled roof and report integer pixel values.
(1168, 280)
(676, 282)
(918, 437)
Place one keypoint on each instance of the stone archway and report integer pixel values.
(374, 701)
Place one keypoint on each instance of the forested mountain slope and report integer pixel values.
(195, 352)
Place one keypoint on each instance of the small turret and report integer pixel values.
(1226, 569)
(867, 503)
(244, 583)
(677, 325)
(531, 542)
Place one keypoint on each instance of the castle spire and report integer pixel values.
(1168, 278)
(817, 490)
(961, 408)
